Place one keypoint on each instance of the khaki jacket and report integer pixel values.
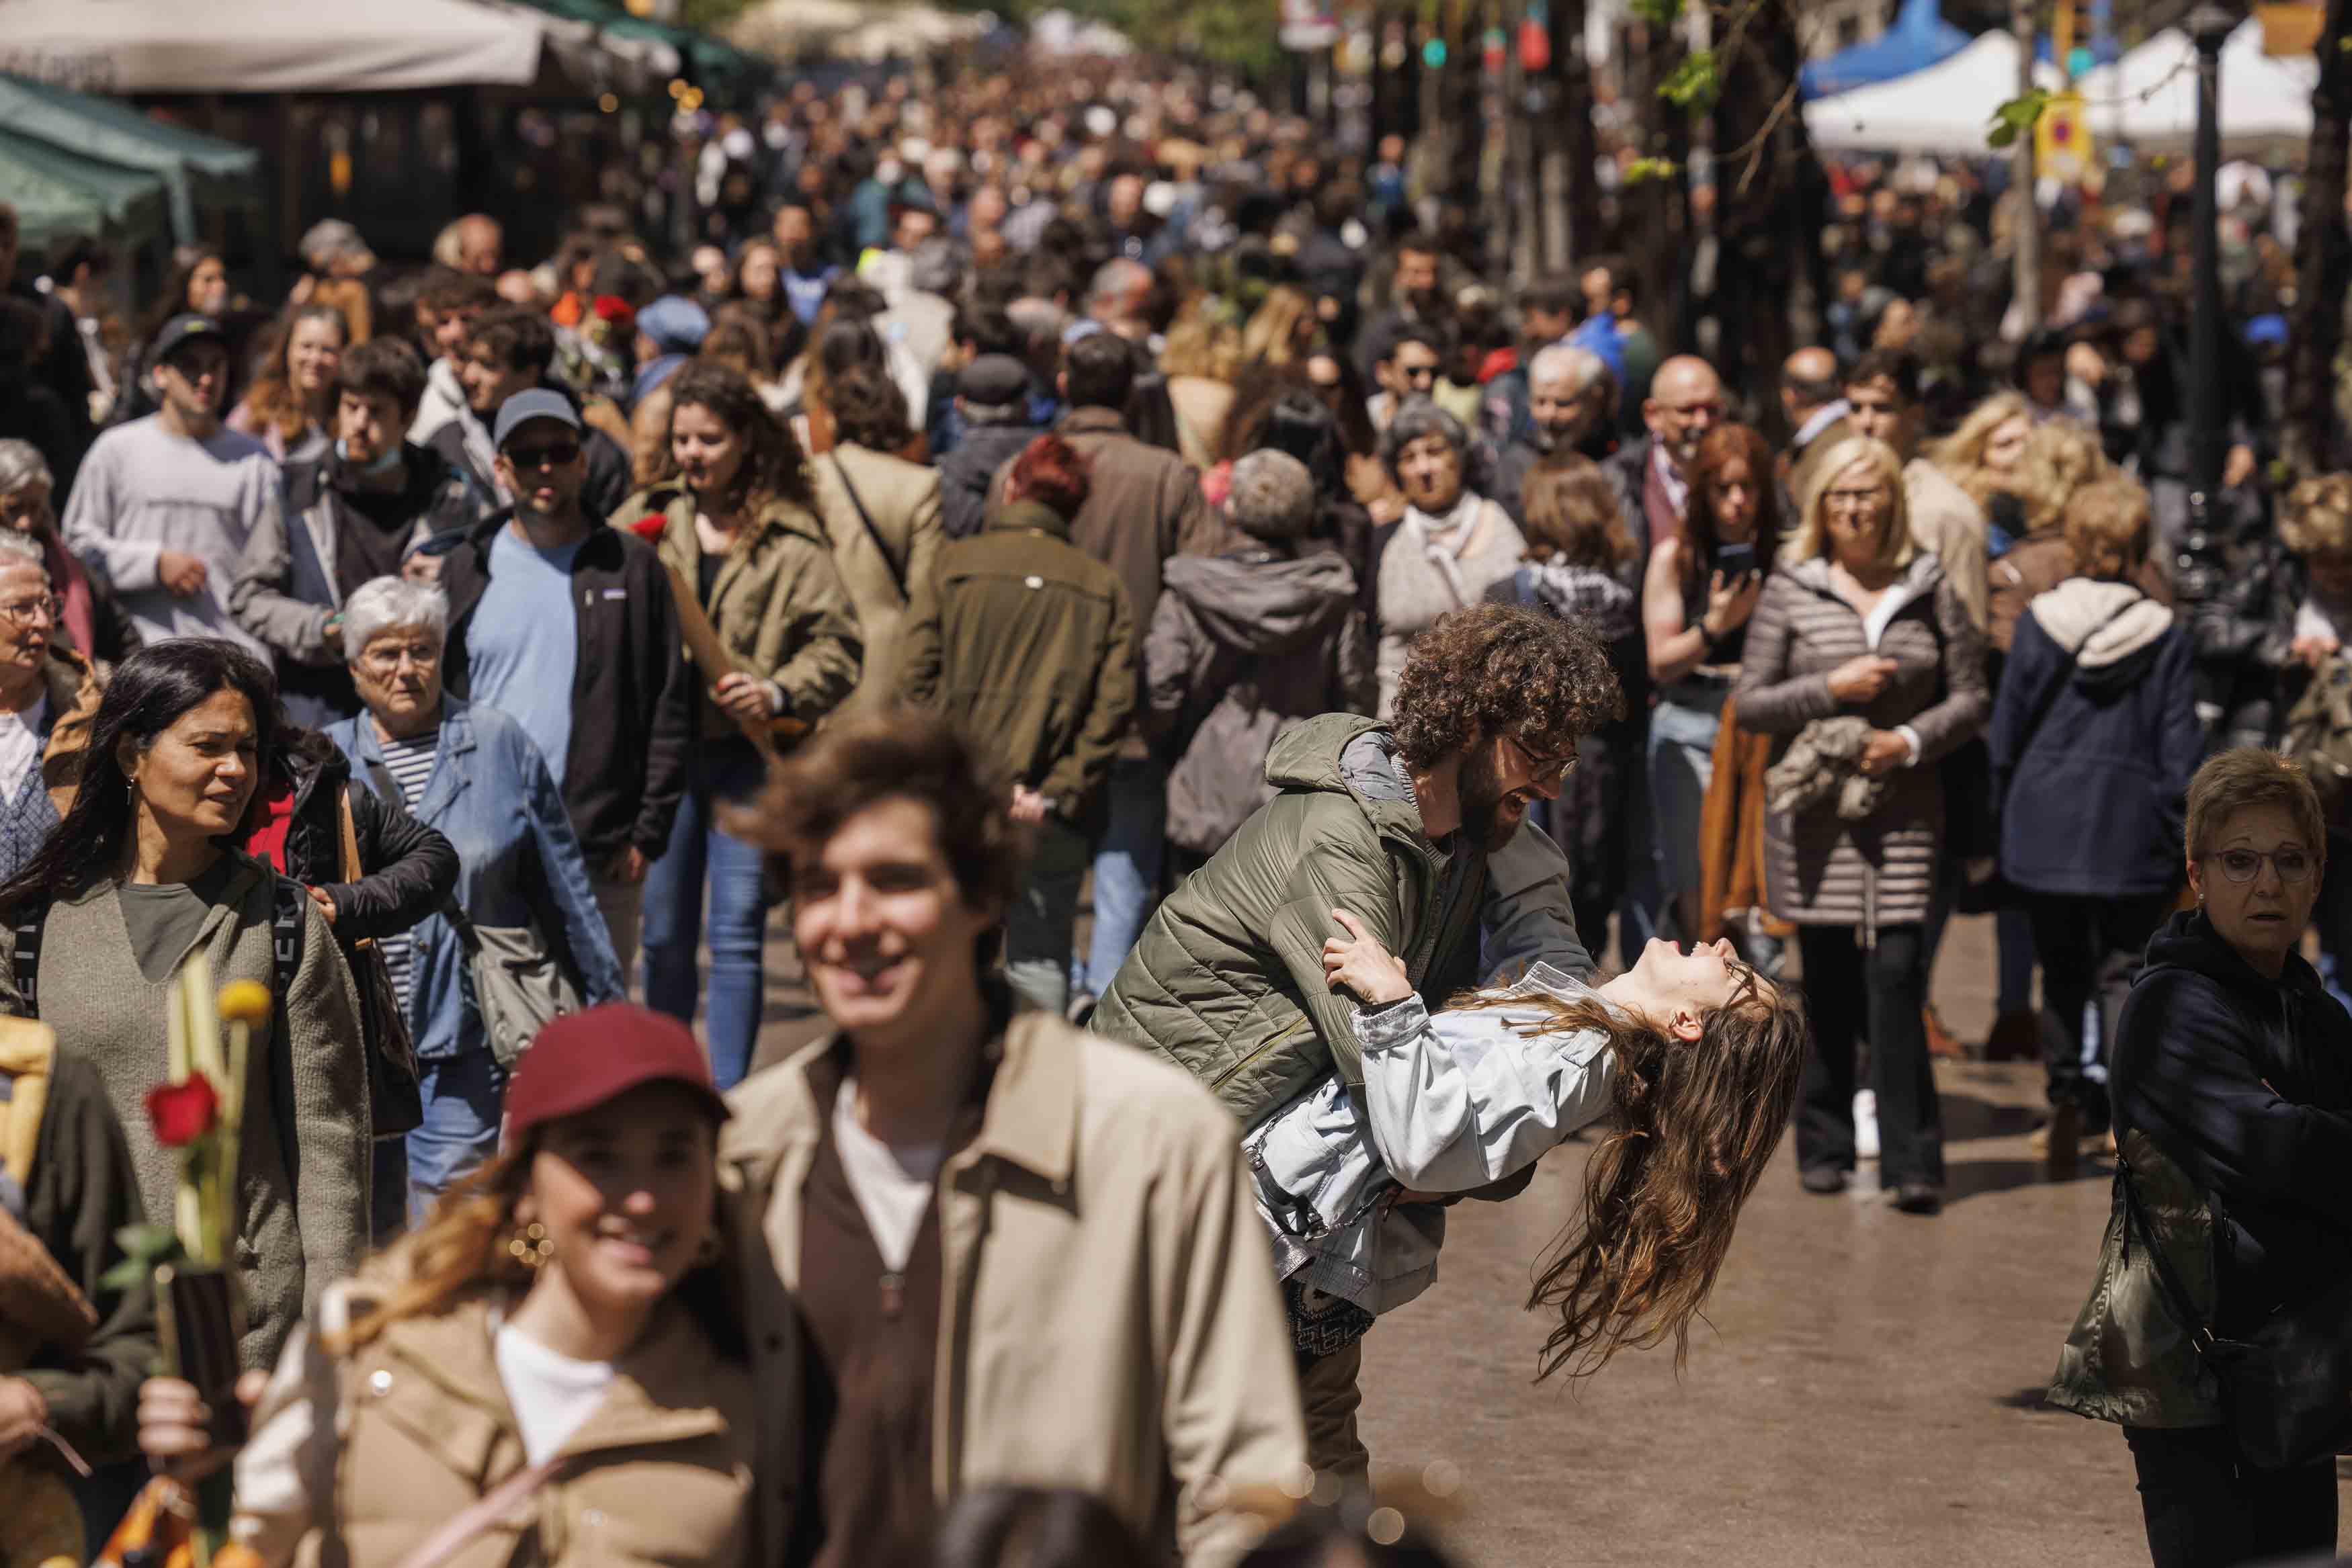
(1946, 519)
(779, 605)
(903, 500)
(1110, 1321)
(414, 1427)
(74, 689)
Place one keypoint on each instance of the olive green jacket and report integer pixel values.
(1227, 979)
(2129, 1359)
(1028, 640)
(779, 605)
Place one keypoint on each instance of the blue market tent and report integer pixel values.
(1919, 38)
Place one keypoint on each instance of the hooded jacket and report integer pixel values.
(1244, 648)
(1227, 979)
(2233, 1109)
(2094, 740)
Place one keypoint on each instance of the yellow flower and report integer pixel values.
(245, 1002)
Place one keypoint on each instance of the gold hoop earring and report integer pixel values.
(531, 1246)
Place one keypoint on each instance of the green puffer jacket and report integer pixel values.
(2129, 1359)
(1227, 979)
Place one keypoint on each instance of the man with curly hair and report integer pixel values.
(1417, 829)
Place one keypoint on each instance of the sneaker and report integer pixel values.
(1866, 1123)
(1919, 1197)
(1822, 1180)
(2065, 1147)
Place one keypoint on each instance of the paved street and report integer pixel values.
(1869, 1391)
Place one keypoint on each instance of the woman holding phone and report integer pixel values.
(545, 1368)
(1696, 597)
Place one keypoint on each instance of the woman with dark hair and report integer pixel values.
(291, 406)
(756, 282)
(2231, 1088)
(882, 513)
(1696, 597)
(140, 874)
(1694, 1057)
(731, 516)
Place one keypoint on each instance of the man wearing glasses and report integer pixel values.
(1417, 829)
(553, 615)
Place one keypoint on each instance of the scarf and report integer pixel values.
(1421, 532)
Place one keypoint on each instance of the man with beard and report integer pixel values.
(1416, 828)
(1652, 473)
(1569, 395)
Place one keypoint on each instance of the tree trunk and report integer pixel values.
(2026, 284)
(1771, 204)
(1652, 211)
(2323, 259)
(1572, 104)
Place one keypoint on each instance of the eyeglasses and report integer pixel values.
(1868, 500)
(1543, 768)
(25, 611)
(556, 455)
(387, 661)
(2244, 865)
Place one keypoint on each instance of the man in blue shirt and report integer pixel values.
(568, 626)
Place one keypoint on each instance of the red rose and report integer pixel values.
(649, 526)
(182, 1113)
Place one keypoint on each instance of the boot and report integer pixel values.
(2065, 1151)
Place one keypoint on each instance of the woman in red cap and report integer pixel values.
(547, 1357)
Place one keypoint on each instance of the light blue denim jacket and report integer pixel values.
(1450, 1103)
(491, 794)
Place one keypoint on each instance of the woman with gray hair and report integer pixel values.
(473, 774)
(88, 614)
(1449, 548)
(1245, 645)
(49, 695)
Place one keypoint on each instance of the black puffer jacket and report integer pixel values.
(409, 869)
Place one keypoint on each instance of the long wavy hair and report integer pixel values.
(1697, 1123)
(148, 692)
(1961, 454)
(272, 401)
(462, 1247)
(774, 468)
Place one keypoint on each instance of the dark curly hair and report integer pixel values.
(1496, 669)
(773, 468)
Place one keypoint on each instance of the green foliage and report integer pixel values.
(2017, 118)
(1695, 82)
(1642, 169)
(1655, 13)
(712, 15)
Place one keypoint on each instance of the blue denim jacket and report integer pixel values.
(491, 794)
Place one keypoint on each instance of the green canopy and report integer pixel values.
(194, 170)
(58, 192)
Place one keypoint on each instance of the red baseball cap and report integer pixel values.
(581, 1060)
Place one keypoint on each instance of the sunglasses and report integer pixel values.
(556, 455)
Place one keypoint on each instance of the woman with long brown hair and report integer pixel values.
(1695, 1055)
(291, 408)
(546, 1368)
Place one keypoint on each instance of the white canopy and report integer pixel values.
(267, 45)
(2148, 97)
(1948, 108)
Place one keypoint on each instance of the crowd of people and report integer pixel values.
(1061, 493)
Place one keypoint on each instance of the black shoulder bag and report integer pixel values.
(2286, 1391)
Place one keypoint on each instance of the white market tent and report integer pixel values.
(1948, 108)
(269, 46)
(2148, 97)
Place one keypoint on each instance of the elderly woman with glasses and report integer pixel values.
(1449, 548)
(473, 774)
(48, 694)
(2231, 1086)
(1860, 648)
(88, 615)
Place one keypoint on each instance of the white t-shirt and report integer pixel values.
(553, 1394)
(893, 1184)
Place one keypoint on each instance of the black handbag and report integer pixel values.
(395, 1096)
(2286, 1390)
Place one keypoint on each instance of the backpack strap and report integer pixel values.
(27, 967)
(286, 934)
(881, 544)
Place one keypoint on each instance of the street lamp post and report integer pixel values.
(2207, 25)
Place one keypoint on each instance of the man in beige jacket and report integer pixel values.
(1882, 394)
(977, 1247)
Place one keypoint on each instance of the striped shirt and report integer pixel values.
(410, 763)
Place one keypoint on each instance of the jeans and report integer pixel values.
(1876, 993)
(1038, 927)
(1680, 758)
(738, 918)
(465, 1095)
(2207, 1508)
(1127, 866)
(2089, 948)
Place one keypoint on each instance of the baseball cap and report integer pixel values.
(536, 404)
(994, 380)
(181, 329)
(675, 323)
(579, 1060)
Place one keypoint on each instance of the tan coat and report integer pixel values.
(779, 605)
(414, 1427)
(1110, 1321)
(1946, 519)
(903, 500)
